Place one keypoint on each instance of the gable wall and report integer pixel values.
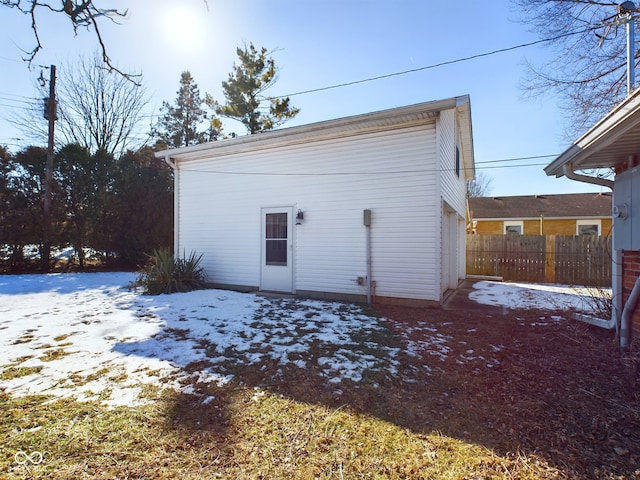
(453, 192)
(453, 185)
(332, 182)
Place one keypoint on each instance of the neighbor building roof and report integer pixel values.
(570, 205)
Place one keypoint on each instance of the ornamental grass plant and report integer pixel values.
(165, 273)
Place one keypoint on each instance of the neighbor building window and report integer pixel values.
(588, 227)
(457, 161)
(513, 227)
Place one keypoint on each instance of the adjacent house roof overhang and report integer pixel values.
(419, 114)
(609, 143)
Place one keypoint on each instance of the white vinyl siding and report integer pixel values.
(393, 173)
(453, 191)
(453, 185)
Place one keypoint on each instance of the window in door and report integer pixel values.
(276, 239)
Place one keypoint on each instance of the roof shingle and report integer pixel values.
(570, 205)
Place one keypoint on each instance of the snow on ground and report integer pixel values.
(537, 296)
(88, 337)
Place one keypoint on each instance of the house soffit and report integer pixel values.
(609, 143)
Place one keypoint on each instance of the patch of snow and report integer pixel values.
(87, 336)
(537, 296)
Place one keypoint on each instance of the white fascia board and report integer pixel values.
(463, 107)
(422, 113)
(601, 135)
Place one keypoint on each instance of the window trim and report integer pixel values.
(513, 223)
(596, 222)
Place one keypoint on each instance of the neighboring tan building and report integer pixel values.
(561, 214)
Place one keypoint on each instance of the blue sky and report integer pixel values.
(318, 44)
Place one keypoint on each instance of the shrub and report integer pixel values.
(599, 301)
(164, 273)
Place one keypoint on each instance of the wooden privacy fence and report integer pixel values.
(565, 259)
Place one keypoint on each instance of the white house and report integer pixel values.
(369, 207)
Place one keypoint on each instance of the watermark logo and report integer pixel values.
(25, 459)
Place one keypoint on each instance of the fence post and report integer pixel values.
(550, 259)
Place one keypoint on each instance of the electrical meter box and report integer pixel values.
(626, 210)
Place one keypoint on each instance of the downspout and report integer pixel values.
(567, 170)
(171, 163)
(176, 195)
(627, 313)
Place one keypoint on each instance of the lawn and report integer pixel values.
(106, 383)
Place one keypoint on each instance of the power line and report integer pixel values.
(513, 166)
(18, 96)
(405, 72)
(6, 99)
(338, 174)
(413, 70)
(12, 106)
(514, 159)
(11, 59)
(441, 64)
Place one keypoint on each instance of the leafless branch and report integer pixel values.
(82, 13)
(588, 69)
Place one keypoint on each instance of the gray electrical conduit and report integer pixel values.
(627, 313)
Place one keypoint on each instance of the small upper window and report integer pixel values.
(588, 227)
(514, 227)
(457, 161)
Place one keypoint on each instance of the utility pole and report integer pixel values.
(625, 15)
(631, 52)
(50, 114)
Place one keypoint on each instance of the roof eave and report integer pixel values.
(418, 113)
(463, 106)
(611, 128)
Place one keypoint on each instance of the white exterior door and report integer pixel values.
(276, 272)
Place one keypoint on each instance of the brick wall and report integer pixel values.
(630, 272)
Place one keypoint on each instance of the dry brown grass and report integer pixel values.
(514, 397)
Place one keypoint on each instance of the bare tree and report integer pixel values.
(588, 41)
(480, 186)
(82, 13)
(98, 109)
